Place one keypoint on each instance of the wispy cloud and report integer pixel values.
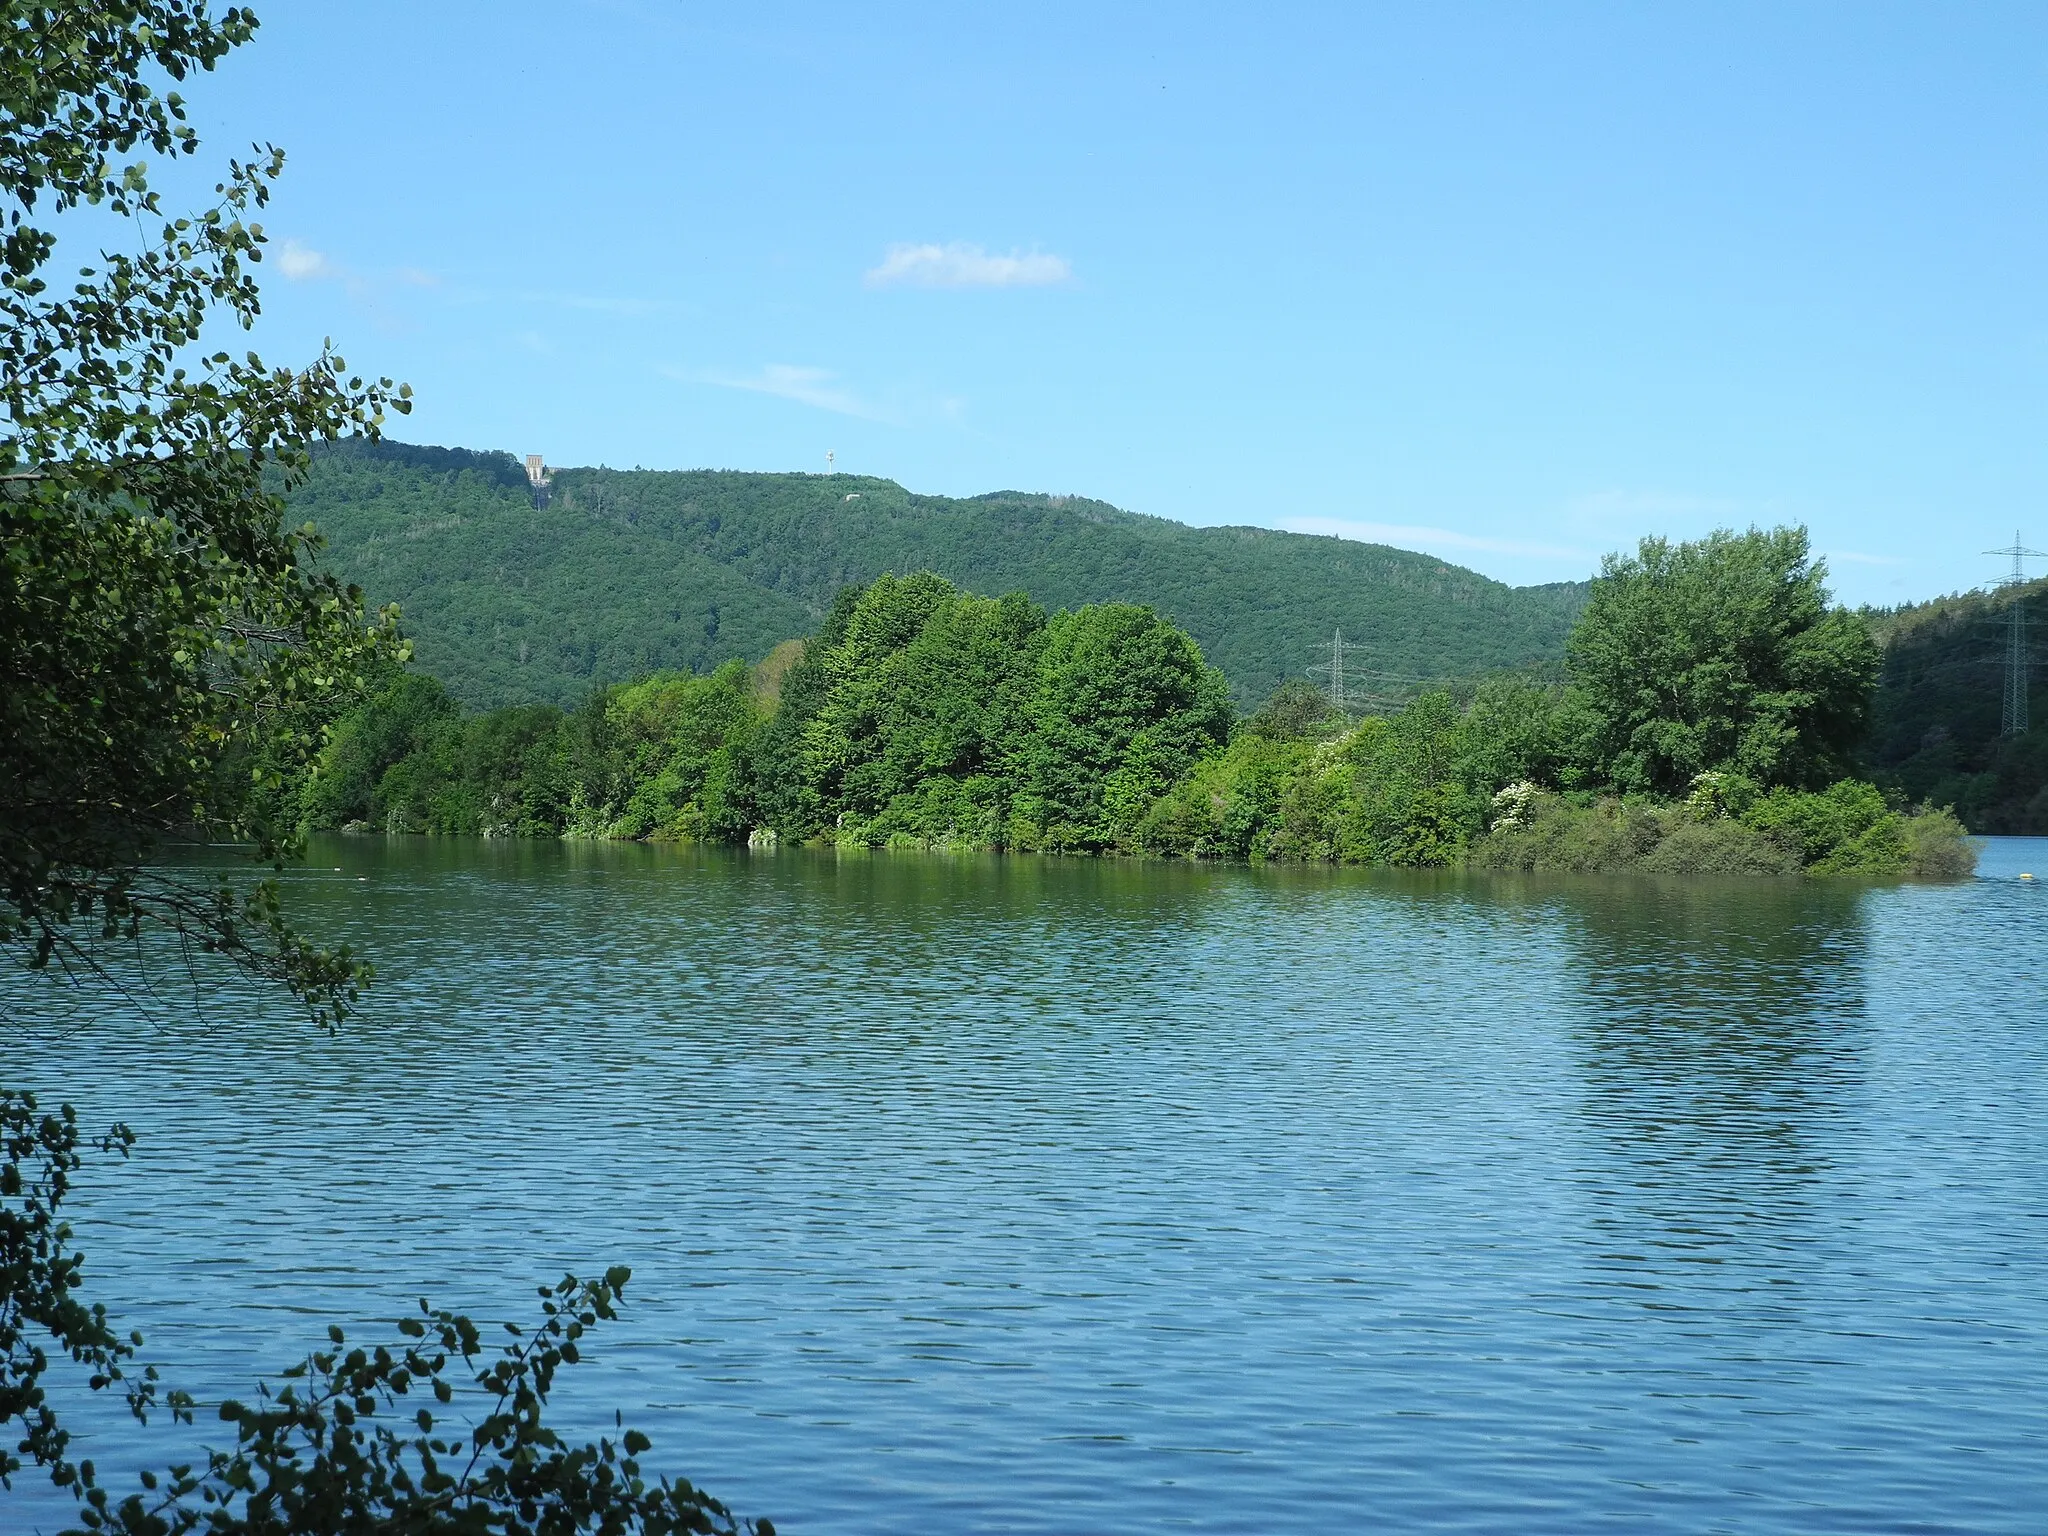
(626, 306)
(301, 263)
(595, 303)
(815, 387)
(966, 266)
(1854, 558)
(1414, 535)
(1604, 513)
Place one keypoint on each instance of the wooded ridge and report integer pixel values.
(626, 572)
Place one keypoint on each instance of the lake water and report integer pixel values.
(1034, 1195)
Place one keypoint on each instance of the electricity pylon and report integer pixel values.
(1334, 670)
(2014, 721)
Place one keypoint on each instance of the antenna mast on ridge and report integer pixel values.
(2015, 721)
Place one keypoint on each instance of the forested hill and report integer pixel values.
(1936, 718)
(627, 572)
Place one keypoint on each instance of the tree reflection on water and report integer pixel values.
(1723, 1030)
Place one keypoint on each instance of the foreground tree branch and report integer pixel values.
(427, 1434)
(169, 655)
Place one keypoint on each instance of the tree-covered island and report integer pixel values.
(1713, 706)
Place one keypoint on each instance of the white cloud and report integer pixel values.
(301, 263)
(1412, 535)
(1853, 558)
(966, 266)
(298, 262)
(806, 386)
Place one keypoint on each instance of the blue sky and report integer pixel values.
(1512, 283)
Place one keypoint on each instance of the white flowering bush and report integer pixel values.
(1515, 805)
(1715, 794)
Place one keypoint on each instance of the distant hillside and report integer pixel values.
(628, 571)
(1936, 718)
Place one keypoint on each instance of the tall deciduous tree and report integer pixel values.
(1125, 705)
(844, 742)
(1722, 654)
(166, 653)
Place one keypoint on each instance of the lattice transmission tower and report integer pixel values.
(2014, 721)
(1333, 669)
(1351, 683)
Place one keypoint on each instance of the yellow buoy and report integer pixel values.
(2026, 877)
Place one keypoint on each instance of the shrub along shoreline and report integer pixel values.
(1848, 829)
(1713, 701)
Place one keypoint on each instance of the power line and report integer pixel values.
(1389, 677)
(2014, 722)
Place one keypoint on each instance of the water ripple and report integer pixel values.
(1029, 1195)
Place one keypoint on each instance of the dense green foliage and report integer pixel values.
(1938, 709)
(924, 716)
(624, 573)
(1850, 828)
(166, 659)
(1432, 785)
(919, 714)
(627, 573)
(1721, 654)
